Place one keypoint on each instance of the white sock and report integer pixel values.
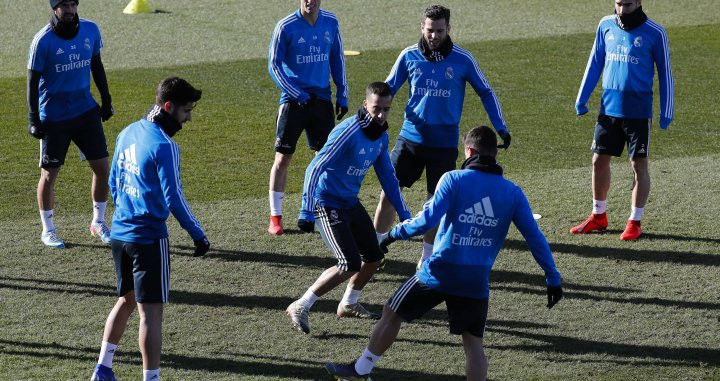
(46, 216)
(636, 213)
(365, 363)
(351, 295)
(99, 212)
(308, 299)
(276, 199)
(107, 352)
(427, 250)
(599, 207)
(151, 375)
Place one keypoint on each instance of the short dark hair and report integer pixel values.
(381, 89)
(482, 139)
(436, 12)
(176, 90)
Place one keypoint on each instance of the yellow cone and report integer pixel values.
(138, 6)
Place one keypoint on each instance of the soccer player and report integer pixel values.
(474, 207)
(330, 195)
(146, 188)
(437, 72)
(305, 50)
(627, 46)
(62, 57)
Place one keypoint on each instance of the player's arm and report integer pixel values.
(487, 95)
(276, 57)
(661, 55)
(389, 182)
(98, 73)
(429, 217)
(112, 179)
(593, 70)
(33, 94)
(332, 149)
(337, 70)
(398, 74)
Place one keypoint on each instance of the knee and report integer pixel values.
(600, 163)
(282, 160)
(639, 167)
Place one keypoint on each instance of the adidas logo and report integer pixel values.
(59, 51)
(480, 213)
(642, 149)
(128, 161)
(362, 151)
(301, 40)
(611, 37)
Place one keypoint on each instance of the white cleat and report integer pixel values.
(51, 239)
(101, 230)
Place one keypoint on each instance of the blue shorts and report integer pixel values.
(612, 134)
(85, 130)
(409, 160)
(144, 269)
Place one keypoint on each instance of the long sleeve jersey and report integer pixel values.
(334, 176)
(474, 210)
(436, 93)
(302, 57)
(627, 60)
(145, 185)
(64, 66)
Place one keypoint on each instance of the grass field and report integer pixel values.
(646, 310)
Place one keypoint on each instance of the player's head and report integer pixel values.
(625, 7)
(177, 97)
(65, 10)
(309, 7)
(378, 98)
(480, 140)
(435, 25)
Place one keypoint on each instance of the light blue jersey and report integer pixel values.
(627, 60)
(474, 210)
(65, 71)
(302, 57)
(436, 93)
(333, 178)
(145, 185)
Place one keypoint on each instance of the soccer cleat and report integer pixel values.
(356, 310)
(345, 372)
(632, 231)
(51, 239)
(101, 230)
(276, 227)
(299, 316)
(594, 222)
(103, 373)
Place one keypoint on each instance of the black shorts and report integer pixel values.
(409, 160)
(413, 299)
(349, 234)
(85, 130)
(144, 269)
(611, 135)
(316, 117)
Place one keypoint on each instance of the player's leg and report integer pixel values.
(438, 161)
(467, 317)
(476, 365)
(408, 170)
(53, 148)
(150, 334)
(638, 141)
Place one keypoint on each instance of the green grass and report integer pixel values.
(642, 310)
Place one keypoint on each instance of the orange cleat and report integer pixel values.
(594, 222)
(276, 227)
(632, 231)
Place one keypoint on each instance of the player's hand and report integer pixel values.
(385, 241)
(306, 226)
(202, 246)
(505, 136)
(311, 98)
(340, 111)
(581, 109)
(106, 111)
(35, 126)
(554, 294)
(665, 123)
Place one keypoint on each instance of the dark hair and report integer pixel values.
(482, 139)
(381, 89)
(176, 90)
(56, 3)
(436, 12)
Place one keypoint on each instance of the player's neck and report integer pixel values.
(311, 18)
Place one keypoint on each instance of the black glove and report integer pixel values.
(202, 246)
(385, 241)
(106, 111)
(306, 226)
(505, 136)
(340, 111)
(554, 295)
(35, 126)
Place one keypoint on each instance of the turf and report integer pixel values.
(640, 310)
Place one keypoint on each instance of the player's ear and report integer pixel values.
(167, 106)
(365, 104)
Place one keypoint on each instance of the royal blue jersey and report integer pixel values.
(474, 210)
(436, 93)
(145, 185)
(65, 70)
(302, 57)
(627, 60)
(333, 178)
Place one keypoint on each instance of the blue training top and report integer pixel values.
(145, 185)
(334, 176)
(302, 57)
(65, 70)
(436, 93)
(474, 210)
(625, 58)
